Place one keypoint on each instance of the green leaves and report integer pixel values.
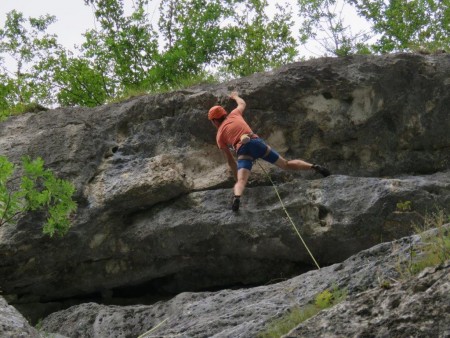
(199, 40)
(6, 170)
(396, 25)
(257, 43)
(124, 48)
(25, 42)
(323, 22)
(7, 199)
(231, 38)
(193, 39)
(407, 25)
(39, 190)
(80, 82)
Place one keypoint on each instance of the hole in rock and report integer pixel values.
(159, 289)
(348, 100)
(323, 212)
(327, 95)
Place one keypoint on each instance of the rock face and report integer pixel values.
(416, 308)
(13, 324)
(153, 190)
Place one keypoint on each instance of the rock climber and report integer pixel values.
(234, 132)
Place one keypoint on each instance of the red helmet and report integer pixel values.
(216, 112)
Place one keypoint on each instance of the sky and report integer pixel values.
(74, 18)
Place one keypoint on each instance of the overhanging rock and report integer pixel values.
(153, 190)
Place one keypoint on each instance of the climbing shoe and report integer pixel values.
(321, 170)
(236, 202)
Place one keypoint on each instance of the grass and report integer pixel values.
(297, 315)
(434, 248)
(21, 109)
(432, 251)
(429, 48)
(128, 94)
(404, 206)
(182, 83)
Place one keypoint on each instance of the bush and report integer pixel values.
(39, 191)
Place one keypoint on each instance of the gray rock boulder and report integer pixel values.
(153, 190)
(420, 303)
(419, 307)
(13, 324)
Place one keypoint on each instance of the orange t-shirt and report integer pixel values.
(231, 130)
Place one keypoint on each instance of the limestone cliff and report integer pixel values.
(378, 304)
(154, 191)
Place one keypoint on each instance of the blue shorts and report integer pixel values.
(256, 148)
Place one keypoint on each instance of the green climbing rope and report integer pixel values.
(289, 216)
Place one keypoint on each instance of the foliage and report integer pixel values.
(25, 42)
(404, 206)
(78, 81)
(7, 89)
(190, 81)
(257, 43)
(324, 299)
(39, 191)
(298, 315)
(288, 321)
(20, 109)
(435, 246)
(197, 40)
(385, 284)
(324, 23)
(124, 48)
(405, 25)
(330, 297)
(194, 39)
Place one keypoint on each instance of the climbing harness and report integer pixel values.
(245, 157)
(289, 217)
(245, 138)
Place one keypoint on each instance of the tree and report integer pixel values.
(257, 43)
(76, 80)
(194, 39)
(7, 90)
(323, 22)
(229, 37)
(25, 44)
(404, 25)
(124, 48)
(39, 191)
